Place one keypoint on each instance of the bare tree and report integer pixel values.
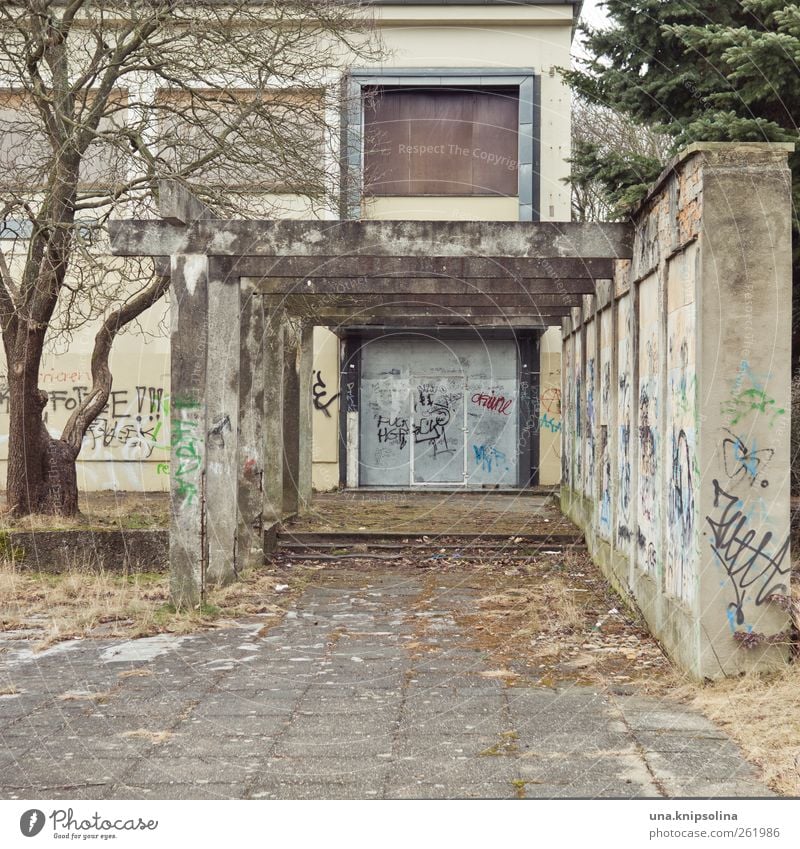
(610, 134)
(101, 99)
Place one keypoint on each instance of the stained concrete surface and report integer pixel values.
(359, 691)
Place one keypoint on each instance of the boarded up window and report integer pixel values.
(441, 141)
(26, 154)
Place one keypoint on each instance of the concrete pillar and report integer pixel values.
(291, 420)
(305, 364)
(743, 377)
(189, 335)
(222, 478)
(251, 437)
(272, 418)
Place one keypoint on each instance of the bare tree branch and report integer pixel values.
(104, 99)
(102, 379)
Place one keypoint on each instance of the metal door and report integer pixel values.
(385, 432)
(439, 430)
(492, 424)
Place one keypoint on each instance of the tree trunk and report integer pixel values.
(26, 448)
(59, 492)
(41, 470)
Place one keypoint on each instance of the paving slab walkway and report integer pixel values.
(360, 691)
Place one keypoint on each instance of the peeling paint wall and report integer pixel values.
(676, 425)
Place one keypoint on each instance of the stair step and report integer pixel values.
(374, 538)
(460, 557)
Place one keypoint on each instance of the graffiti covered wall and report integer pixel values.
(686, 399)
(127, 447)
(649, 428)
(623, 420)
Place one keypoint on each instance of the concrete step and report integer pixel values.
(390, 546)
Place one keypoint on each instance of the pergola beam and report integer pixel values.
(477, 323)
(476, 313)
(402, 267)
(494, 301)
(374, 238)
(429, 286)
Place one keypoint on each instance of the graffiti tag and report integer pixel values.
(743, 462)
(319, 390)
(747, 560)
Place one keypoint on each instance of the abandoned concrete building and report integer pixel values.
(448, 327)
(466, 118)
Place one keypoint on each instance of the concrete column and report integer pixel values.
(743, 381)
(189, 335)
(222, 479)
(291, 420)
(305, 364)
(272, 419)
(251, 436)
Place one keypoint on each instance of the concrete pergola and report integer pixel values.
(245, 298)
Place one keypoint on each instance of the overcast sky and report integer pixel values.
(592, 13)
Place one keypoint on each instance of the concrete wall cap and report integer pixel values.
(764, 150)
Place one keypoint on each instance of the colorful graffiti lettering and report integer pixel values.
(748, 395)
(187, 442)
(487, 456)
(548, 423)
(492, 402)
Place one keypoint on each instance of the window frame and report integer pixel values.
(528, 132)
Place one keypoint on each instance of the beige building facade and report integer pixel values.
(505, 160)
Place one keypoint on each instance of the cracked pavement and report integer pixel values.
(368, 687)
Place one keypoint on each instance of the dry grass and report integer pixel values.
(763, 716)
(554, 620)
(138, 672)
(76, 602)
(84, 601)
(101, 510)
(760, 712)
